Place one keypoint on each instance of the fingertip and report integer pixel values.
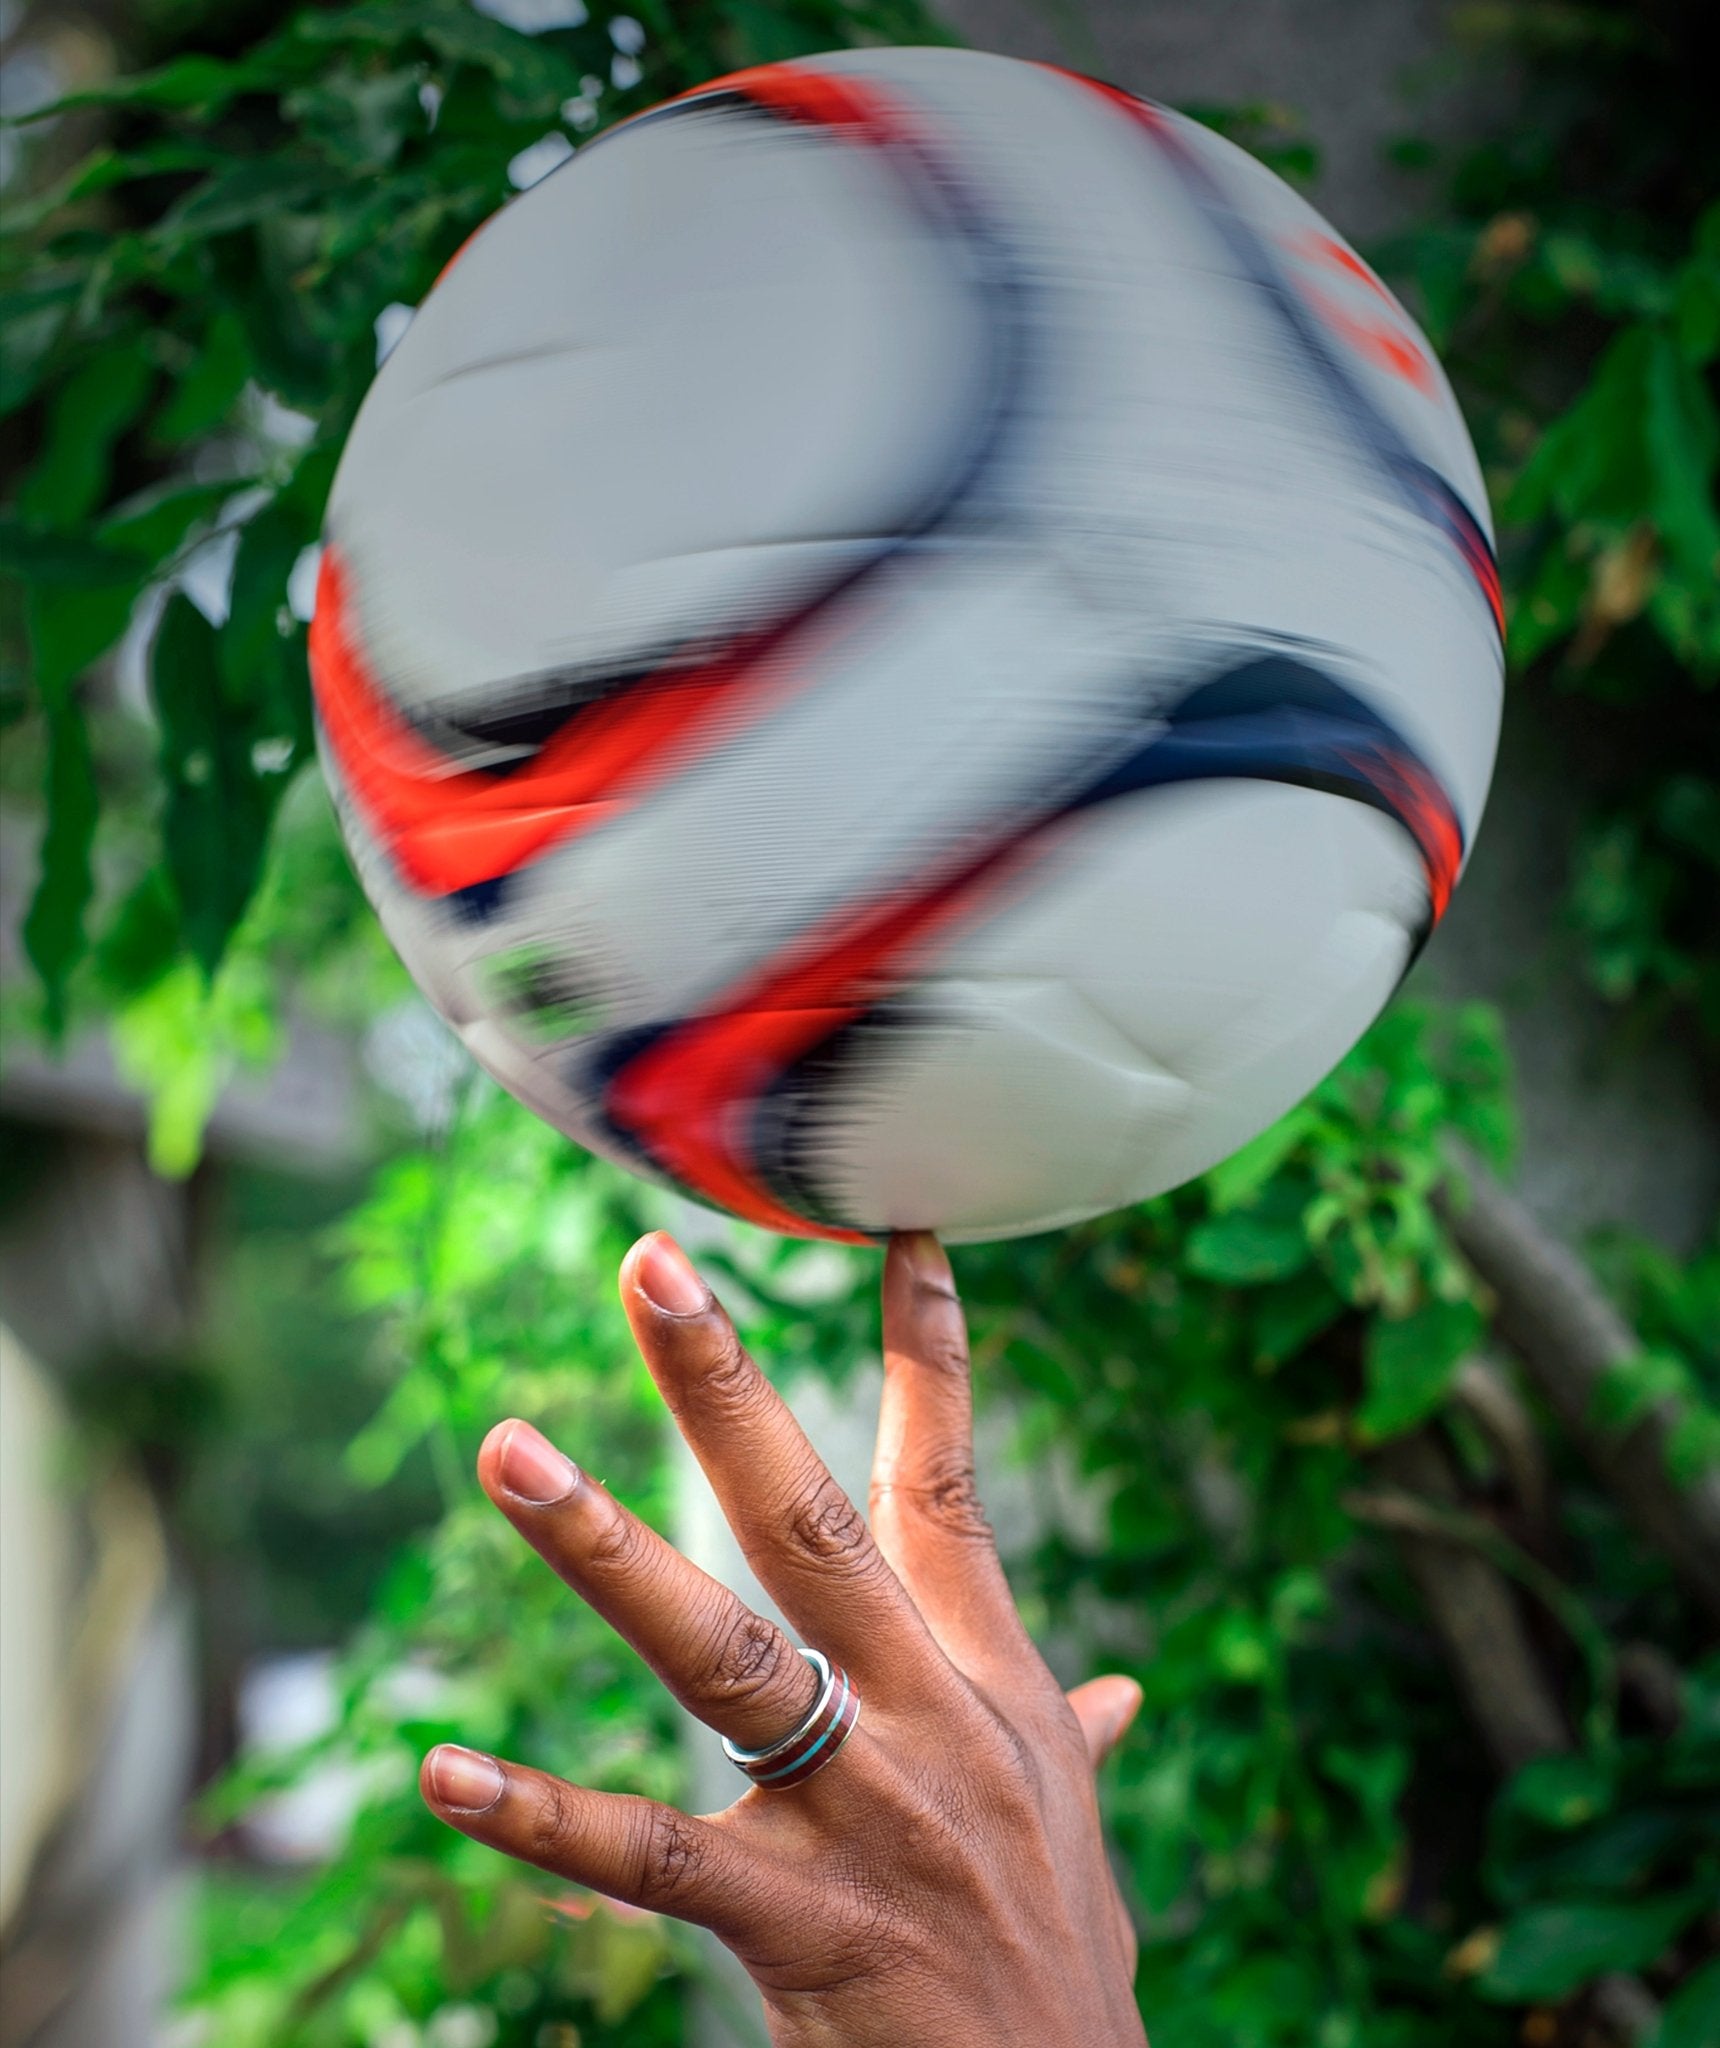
(919, 1254)
(519, 1462)
(461, 1781)
(1106, 1708)
(660, 1274)
(490, 1451)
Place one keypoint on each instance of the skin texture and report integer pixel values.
(944, 1877)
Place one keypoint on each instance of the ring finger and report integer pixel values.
(731, 1667)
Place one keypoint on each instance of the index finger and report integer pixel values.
(802, 1535)
(733, 1669)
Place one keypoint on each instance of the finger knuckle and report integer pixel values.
(619, 1548)
(826, 1525)
(944, 1491)
(1062, 1738)
(946, 1821)
(945, 1352)
(746, 1655)
(668, 1854)
(874, 1936)
(550, 1828)
(1002, 1775)
(949, 1496)
(727, 1378)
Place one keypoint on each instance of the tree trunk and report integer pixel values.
(1475, 1613)
(1569, 1338)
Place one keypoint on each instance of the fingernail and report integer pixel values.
(532, 1469)
(463, 1780)
(667, 1281)
(926, 1257)
(1122, 1719)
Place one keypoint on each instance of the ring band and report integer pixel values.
(808, 1748)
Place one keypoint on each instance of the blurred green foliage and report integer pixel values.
(1316, 1848)
(471, 1267)
(228, 251)
(1573, 287)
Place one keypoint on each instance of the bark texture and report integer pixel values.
(1569, 1338)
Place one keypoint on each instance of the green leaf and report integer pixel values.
(1696, 302)
(54, 924)
(533, 75)
(1693, 1445)
(1590, 461)
(374, 1455)
(762, 36)
(163, 1045)
(89, 412)
(1549, 605)
(1691, 2016)
(69, 627)
(1696, 314)
(1245, 1250)
(1683, 441)
(1241, 1648)
(63, 559)
(142, 938)
(179, 1041)
(31, 324)
(358, 119)
(1687, 810)
(210, 388)
(1633, 1387)
(1236, 1181)
(72, 626)
(104, 170)
(192, 84)
(282, 331)
(260, 662)
(1550, 1951)
(217, 814)
(1288, 1319)
(254, 189)
(154, 525)
(1617, 1856)
(1410, 1364)
(1562, 1791)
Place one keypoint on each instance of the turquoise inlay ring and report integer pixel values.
(809, 1747)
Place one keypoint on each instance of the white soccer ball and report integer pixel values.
(909, 641)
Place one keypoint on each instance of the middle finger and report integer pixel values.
(802, 1535)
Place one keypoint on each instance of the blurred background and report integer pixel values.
(1387, 1457)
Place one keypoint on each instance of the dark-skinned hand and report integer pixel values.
(943, 1879)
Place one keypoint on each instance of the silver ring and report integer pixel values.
(808, 1748)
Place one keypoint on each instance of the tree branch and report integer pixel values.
(1488, 1397)
(1454, 1558)
(1569, 1338)
(1469, 1601)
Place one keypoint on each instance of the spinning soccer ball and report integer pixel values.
(909, 641)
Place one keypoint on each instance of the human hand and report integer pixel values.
(943, 1879)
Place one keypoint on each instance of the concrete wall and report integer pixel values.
(1358, 74)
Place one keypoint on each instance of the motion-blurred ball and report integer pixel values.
(909, 640)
